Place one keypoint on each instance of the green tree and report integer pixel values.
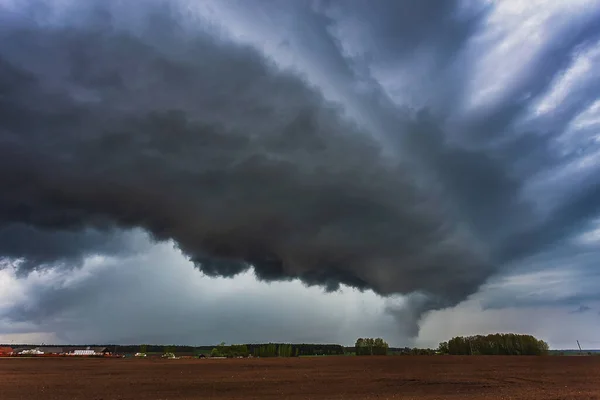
(380, 347)
(370, 346)
(443, 348)
(220, 351)
(272, 350)
(359, 347)
(285, 350)
(496, 344)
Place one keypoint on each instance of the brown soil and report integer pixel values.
(394, 377)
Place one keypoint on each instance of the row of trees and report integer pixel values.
(285, 350)
(262, 350)
(295, 350)
(319, 349)
(495, 344)
(275, 350)
(407, 351)
(371, 347)
(231, 351)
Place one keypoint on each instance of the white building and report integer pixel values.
(31, 352)
(83, 352)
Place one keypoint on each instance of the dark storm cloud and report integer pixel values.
(34, 248)
(164, 126)
(483, 180)
(415, 46)
(204, 142)
(483, 162)
(393, 33)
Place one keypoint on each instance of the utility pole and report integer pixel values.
(579, 347)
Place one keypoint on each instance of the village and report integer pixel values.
(53, 351)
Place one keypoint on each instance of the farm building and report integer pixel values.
(32, 352)
(18, 350)
(89, 351)
(83, 352)
(4, 351)
(101, 350)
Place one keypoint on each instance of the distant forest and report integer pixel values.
(495, 344)
(241, 350)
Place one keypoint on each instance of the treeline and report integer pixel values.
(231, 351)
(495, 344)
(152, 348)
(294, 350)
(276, 350)
(371, 347)
(237, 350)
(407, 351)
(242, 350)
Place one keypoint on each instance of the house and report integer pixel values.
(101, 350)
(5, 351)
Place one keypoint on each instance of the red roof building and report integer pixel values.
(6, 350)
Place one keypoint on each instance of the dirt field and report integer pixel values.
(399, 377)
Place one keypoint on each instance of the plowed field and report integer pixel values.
(394, 377)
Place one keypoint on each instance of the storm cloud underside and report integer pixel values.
(114, 119)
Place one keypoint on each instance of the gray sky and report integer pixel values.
(305, 171)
